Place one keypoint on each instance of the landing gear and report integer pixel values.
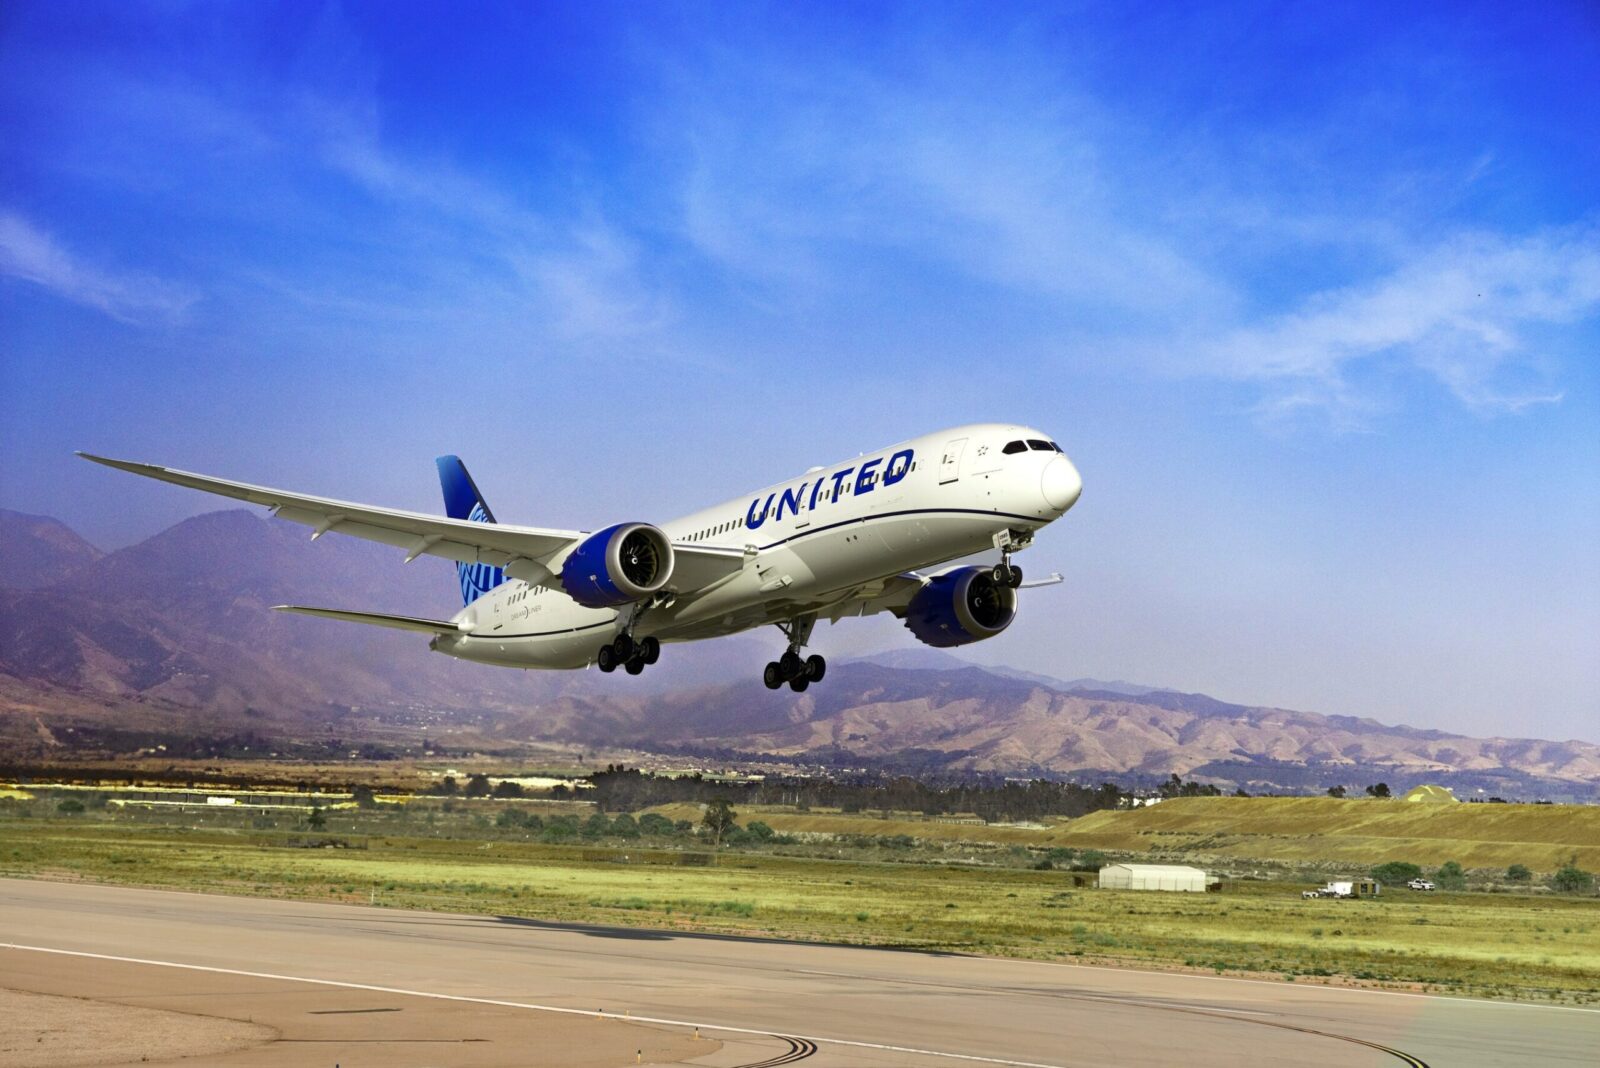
(798, 672)
(1007, 575)
(630, 653)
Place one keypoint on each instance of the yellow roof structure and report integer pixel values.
(1430, 793)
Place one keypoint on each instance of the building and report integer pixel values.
(1152, 877)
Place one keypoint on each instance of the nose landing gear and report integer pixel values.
(798, 672)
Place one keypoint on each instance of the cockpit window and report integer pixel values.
(1040, 446)
(1058, 448)
(1014, 447)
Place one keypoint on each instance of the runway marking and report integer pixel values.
(785, 1058)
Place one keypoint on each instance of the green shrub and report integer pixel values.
(1450, 876)
(1396, 872)
(1518, 873)
(1572, 880)
(656, 825)
(70, 807)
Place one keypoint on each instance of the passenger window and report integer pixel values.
(1013, 447)
(1040, 446)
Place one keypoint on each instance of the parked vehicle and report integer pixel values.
(1342, 888)
(1420, 884)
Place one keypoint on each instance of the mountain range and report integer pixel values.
(173, 639)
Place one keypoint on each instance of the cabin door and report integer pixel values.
(950, 463)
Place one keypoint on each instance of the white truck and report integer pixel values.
(1420, 884)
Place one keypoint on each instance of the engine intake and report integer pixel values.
(618, 565)
(961, 607)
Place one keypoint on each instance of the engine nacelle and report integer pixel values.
(961, 607)
(618, 565)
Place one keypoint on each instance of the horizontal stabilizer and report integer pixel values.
(376, 619)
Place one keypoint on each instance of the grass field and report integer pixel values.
(1488, 944)
(1359, 831)
(1271, 829)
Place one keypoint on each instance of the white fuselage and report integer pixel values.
(809, 544)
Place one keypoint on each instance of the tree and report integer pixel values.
(71, 806)
(478, 785)
(597, 826)
(1518, 873)
(1572, 879)
(1378, 789)
(507, 788)
(1396, 871)
(625, 826)
(1336, 791)
(364, 796)
(759, 830)
(560, 828)
(447, 786)
(315, 819)
(655, 824)
(1450, 876)
(718, 819)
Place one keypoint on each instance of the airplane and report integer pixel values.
(847, 539)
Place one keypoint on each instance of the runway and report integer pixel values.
(365, 986)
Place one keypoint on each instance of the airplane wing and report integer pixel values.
(894, 595)
(376, 619)
(696, 568)
(495, 544)
(532, 554)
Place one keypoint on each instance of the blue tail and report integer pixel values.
(463, 501)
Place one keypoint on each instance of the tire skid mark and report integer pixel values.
(799, 1049)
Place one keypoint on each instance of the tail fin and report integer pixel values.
(463, 501)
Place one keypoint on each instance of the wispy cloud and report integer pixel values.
(1461, 311)
(31, 254)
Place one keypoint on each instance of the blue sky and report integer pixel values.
(1312, 297)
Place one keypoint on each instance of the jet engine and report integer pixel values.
(961, 607)
(618, 565)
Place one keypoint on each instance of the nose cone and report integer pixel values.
(1060, 484)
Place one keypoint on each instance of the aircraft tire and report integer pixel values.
(1015, 581)
(791, 665)
(634, 666)
(606, 660)
(773, 675)
(799, 683)
(816, 667)
(650, 650)
(622, 647)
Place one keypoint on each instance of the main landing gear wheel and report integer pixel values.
(816, 667)
(634, 666)
(772, 675)
(606, 659)
(650, 650)
(622, 647)
(799, 683)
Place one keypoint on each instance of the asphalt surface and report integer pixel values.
(493, 986)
